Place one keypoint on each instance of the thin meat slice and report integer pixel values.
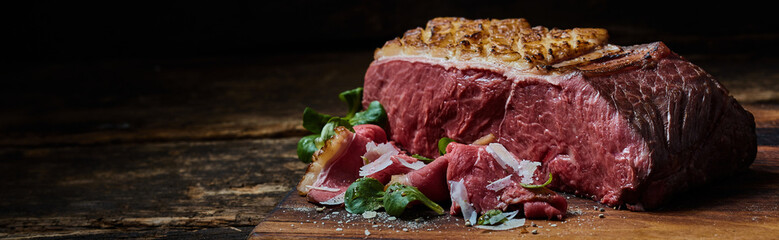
(399, 164)
(476, 169)
(485, 184)
(337, 164)
(430, 180)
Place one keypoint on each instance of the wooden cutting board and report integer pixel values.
(745, 206)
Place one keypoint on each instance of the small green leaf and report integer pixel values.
(374, 114)
(422, 158)
(329, 130)
(365, 194)
(314, 121)
(398, 196)
(442, 143)
(307, 148)
(548, 181)
(492, 217)
(353, 99)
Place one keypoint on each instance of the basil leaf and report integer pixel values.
(307, 147)
(353, 99)
(398, 196)
(442, 143)
(314, 121)
(422, 158)
(365, 194)
(374, 114)
(548, 181)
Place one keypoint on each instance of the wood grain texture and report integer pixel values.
(111, 190)
(744, 206)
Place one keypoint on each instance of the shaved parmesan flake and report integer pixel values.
(500, 184)
(511, 215)
(329, 189)
(337, 200)
(374, 151)
(416, 165)
(459, 195)
(503, 156)
(375, 166)
(527, 169)
(510, 224)
(379, 157)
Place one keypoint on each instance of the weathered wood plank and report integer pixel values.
(85, 190)
(741, 206)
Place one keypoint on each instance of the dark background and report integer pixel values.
(65, 31)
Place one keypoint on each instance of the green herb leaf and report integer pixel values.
(422, 158)
(324, 125)
(548, 181)
(374, 114)
(307, 147)
(353, 99)
(365, 194)
(314, 121)
(492, 217)
(398, 196)
(442, 143)
(329, 130)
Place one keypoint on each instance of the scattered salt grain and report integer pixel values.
(339, 229)
(369, 214)
(405, 229)
(367, 233)
(391, 218)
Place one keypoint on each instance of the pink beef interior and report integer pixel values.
(630, 131)
(477, 169)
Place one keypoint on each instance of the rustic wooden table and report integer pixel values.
(201, 148)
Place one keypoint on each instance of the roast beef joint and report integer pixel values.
(628, 126)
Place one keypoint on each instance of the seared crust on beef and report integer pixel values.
(510, 41)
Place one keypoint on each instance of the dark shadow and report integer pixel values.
(757, 187)
(767, 136)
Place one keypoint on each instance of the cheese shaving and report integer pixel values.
(384, 151)
(337, 200)
(416, 165)
(500, 184)
(459, 195)
(328, 189)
